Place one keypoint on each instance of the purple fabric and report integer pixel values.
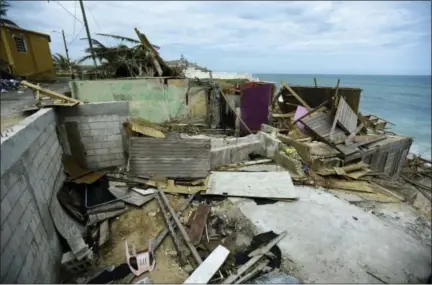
(301, 111)
(254, 106)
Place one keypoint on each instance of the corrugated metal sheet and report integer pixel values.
(345, 116)
(173, 158)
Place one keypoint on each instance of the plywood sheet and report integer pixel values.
(346, 117)
(271, 185)
(169, 157)
(321, 123)
(198, 223)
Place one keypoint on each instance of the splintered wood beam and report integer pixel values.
(154, 54)
(296, 96)
(49, 93)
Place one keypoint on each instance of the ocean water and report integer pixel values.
(403, 100)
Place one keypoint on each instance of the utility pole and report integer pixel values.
(88, 32)
(67, 54)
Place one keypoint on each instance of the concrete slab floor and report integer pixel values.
(332, 241)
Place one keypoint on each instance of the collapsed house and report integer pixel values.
(125, 163)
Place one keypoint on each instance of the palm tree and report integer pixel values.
(61, 62)
(4, 5)
(122, 60)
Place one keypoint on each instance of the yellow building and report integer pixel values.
(27, 53)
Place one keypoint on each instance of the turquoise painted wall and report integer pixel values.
(150, 99)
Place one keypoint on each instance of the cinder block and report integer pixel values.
(24, 275)
(6, 208)
(103, 118)
(25, 199)
(3, 189)
(6, 259)
(11, 177)
(6, 233)
(116, 150)
(25, 219)
(16, 192)
(15, 215)
(101, 125)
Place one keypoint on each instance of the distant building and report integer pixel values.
(26, 52)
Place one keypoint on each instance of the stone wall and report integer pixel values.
(31, 174)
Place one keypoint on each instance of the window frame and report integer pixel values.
(15, 37)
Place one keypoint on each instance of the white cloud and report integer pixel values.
(206, 31)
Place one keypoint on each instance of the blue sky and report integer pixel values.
(320, 37)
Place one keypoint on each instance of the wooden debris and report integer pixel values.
(181, 228)
(258, 254)
(100, 217)
(50, 93)
(169, 186)
(120, 191)
(361, 186)
(104, 232)
(158, 240)
(296, 96)
(343, 170)
(345, 117)
(198, 223)
(77, 174)
(209, 267)
(253, 272)
(174, 236)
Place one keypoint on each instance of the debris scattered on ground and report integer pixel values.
(169, 188)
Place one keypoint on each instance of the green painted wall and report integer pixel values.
(150, 99)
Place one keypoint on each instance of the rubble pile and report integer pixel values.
(115, 221)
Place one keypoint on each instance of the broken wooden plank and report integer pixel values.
(345, 117)
(169, 186)
(242, 269)
(49, 93)
(173, 234)
(100, 217)
(353, 134)
(361, 186)
(103, 232)
(321, 124)
(173, 158)
(146, 128)
(78, 174)
(158, 240)
(198, 223)
(145, 192)
(252, 273)
(181, 228)
(368, 139)
(300, 99)
(130, 197)
(271, 185)
(209, 267)
(157, 60)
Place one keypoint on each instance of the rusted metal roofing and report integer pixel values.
(173, 158)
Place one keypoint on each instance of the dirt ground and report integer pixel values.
(139, 225)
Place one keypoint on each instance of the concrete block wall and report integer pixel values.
(94, 134)
(31, 174)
